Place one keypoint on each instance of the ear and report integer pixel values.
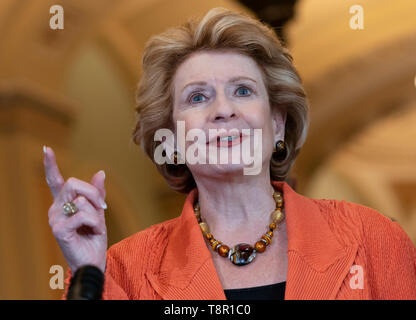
(279, 123)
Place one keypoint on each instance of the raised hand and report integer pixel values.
(82, 236)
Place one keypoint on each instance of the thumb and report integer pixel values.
(98, 181)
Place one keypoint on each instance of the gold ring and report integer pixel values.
(70, 208)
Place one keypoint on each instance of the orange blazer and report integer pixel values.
(331, 245)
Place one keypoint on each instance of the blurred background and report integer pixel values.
(73, 90)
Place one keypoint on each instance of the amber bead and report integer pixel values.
(204, 227)
(272, 226)
(277, 196)
(274, 214)
(215, 244)
(212, 240)
(223, 250)
(267, 238)
(242, 254)
(260, 246)
(279, 203)
(270, 233)
(277, 216)
(209, 236)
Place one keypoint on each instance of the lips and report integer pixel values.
(227, 140)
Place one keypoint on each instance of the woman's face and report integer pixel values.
(221, 93)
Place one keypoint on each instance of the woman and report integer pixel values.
(240, 234)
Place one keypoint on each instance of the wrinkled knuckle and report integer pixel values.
(52, 184)
(58, 181)
(80, 200)
(71, 186)
(71, 181)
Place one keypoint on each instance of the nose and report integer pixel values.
(223, 110)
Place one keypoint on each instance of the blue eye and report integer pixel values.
(243, 91)
(197, 98)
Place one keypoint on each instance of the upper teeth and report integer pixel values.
(229, 138)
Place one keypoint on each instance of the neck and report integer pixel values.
(236, 209)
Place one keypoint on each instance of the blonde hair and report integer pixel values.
(219, 29)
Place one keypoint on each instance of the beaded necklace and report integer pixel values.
(243, 253)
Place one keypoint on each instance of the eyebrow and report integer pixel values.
(232, 80)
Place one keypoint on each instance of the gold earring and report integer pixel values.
(176, 157)
(280, 151)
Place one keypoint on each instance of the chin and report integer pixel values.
(218, 170)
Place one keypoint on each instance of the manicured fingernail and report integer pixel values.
(103, 204)
(44, 149)
(102, 172)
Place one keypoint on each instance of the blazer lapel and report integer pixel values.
(317, 262)
(186, 271)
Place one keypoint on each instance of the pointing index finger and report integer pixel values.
(52, 173)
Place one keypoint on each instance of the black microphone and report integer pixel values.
(86, 284)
